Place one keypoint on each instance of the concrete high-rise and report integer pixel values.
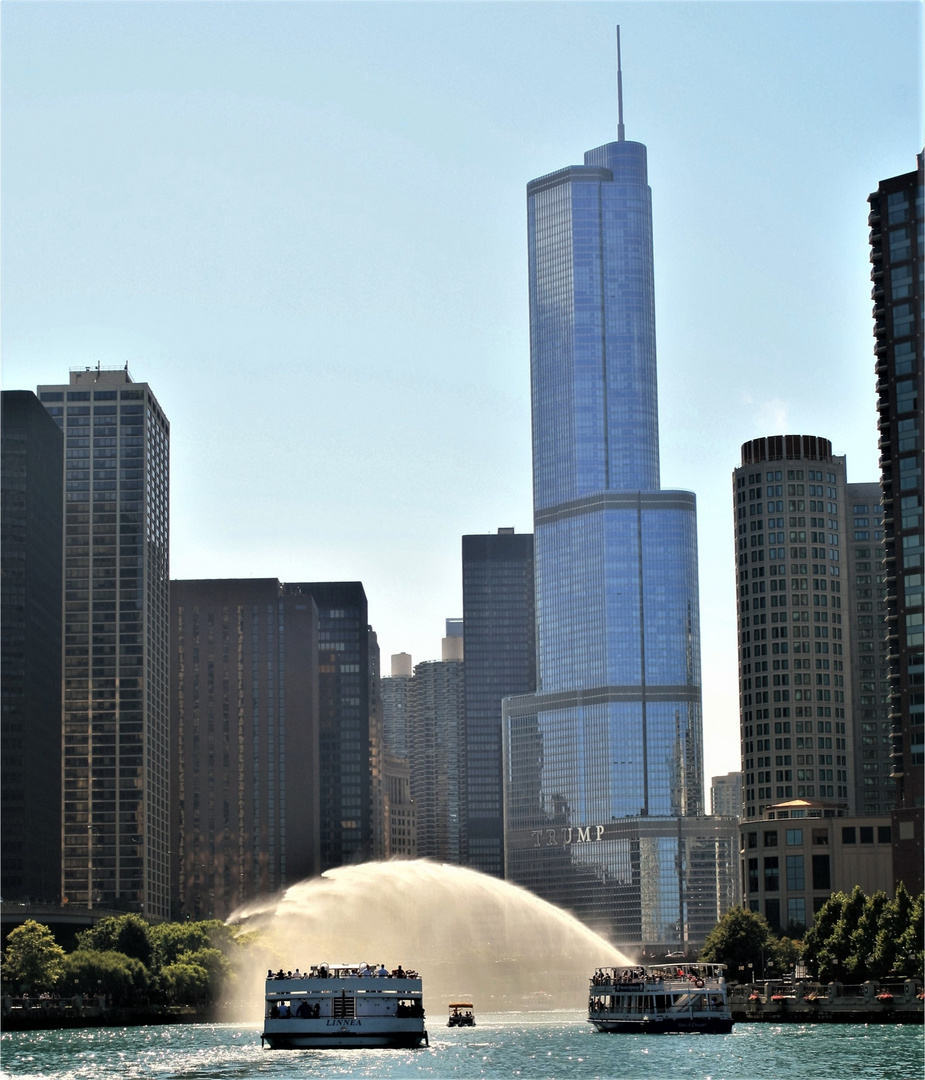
(792, 581)
(394, 692)
(244, 746)
(116, 631)
(499, 630)
(436, 752)
(726, 795)
(31, 515)
(604, 761)
(896, 256)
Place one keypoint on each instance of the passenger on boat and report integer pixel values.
(382, 971)
(304, 1010)
(399, 972)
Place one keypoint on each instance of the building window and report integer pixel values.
(822, 878)
(770, 839)
(848, 834)
(796, 915)
(771, 874)
(796, 876)
(772, 913)
(794, 838)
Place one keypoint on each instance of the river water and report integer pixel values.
(527, 1046)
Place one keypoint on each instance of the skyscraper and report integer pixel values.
(500, 650)
(896, 256)
(244, 746)
(349, 767)
(807, 599)
(116, 630)
(436, 751)
(605, 760)
(32, 480)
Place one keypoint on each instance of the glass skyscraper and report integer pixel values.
(604, 762)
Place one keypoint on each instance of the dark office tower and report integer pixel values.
(613, 735)
(865, 595)
(500, 650)
(30, 649)
(345, 755)
(436, 752)
(116, 641)
(244, 742)
(896, 220)
(377, 780)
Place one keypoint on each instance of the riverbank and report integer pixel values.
(51, 1014)
(831, 1003)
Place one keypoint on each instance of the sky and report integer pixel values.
(304, 225)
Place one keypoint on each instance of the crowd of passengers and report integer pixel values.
(619, 975)
(361, 971)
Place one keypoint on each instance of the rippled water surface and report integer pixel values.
(559, 1046)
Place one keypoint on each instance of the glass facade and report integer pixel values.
(31, 518)
(605, 761)
(348, 744)
(500, 651)
(897, 224)
(116, 628)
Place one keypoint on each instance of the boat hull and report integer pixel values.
(343, 1038)
(654, 1025)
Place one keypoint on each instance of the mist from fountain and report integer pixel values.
(472, 937)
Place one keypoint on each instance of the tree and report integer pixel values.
(129, 934)
(185, 983)
(861, 938)
(32, 958)
(910, 953)
(121, 977)
(862, 963)
(787, 954)
(741, 938)
(172, 940)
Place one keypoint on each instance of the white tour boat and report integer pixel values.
(660, 998)
(343, 1005)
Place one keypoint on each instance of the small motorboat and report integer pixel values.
(461, 1014)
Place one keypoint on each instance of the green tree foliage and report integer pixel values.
(172, 940)
(740, 938)
(184, 983)
(862, 962)
(129, 934)
(32, 957)
(787, 954)
(858, 937)
(114, 974)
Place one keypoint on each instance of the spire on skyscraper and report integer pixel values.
(620, 133)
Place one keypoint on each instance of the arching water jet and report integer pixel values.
(466, 933)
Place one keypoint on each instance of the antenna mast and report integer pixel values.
(620, 134)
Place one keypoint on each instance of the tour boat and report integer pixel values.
(660, 998)
(461, 1014)
(343, 1005)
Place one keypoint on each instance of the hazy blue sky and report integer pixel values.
(304, 225)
